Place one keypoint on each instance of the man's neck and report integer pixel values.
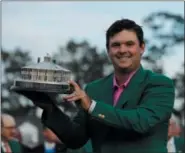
(121, 78)
(123, 75)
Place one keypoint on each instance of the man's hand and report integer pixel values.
(79, 95)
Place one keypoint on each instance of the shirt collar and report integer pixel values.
(115, 84)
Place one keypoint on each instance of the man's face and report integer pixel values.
(8, 129)
(173, 129)
(125, 51)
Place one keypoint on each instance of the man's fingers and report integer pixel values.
(74, 84)
(69, 96)
(72, 99)
(76, 95)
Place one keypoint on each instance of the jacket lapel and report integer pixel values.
(132, 88)
(108, 90)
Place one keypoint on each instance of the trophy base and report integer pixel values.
(42, 92)
(41, 87)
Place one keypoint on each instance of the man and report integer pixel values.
(127, 111)
(8, 131)
(175, 140)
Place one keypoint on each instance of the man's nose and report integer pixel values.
(123, 48)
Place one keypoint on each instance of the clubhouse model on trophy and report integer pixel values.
(43, 82)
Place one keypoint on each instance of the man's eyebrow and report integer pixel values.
(115, 43)
(118, 42)
(130, 41)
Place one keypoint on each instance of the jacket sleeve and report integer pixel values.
(155, 107)
(72, 132)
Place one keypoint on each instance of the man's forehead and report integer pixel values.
(124, 36)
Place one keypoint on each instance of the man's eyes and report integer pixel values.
(117, 44)
(129, 43)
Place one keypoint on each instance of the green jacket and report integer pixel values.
(138, 123)
(15, 147)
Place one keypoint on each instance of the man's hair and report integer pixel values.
(124, 24)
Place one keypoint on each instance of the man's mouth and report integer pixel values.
(124, 57)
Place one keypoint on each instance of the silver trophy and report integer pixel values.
(44, 82)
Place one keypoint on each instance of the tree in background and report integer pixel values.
(85, 61)
(167, 32)
(11, 62)
(179, 82)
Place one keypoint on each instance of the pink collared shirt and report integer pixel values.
(118, 89)
(117, 92)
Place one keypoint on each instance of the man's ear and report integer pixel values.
(107, 53)
(142, 49)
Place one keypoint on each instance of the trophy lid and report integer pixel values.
(47, 64)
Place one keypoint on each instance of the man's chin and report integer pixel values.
(125, 68)
(125, 64)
